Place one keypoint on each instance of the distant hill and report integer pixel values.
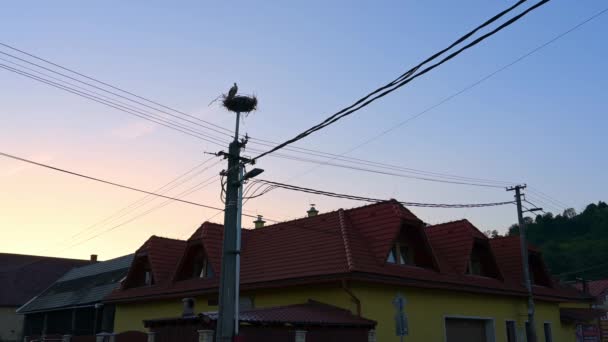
(573, 244)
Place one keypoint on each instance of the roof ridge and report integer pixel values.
(347, 249)
(440, 225)
(166, 238)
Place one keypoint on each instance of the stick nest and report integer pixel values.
(240, 103)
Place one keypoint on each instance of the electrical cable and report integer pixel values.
(380, 92)
(111, 183)
(111, 86)
(135, 112)
(465, 89)
(370, 199)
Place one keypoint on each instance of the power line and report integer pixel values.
(370, 199)
(535, 207)
(546, 204)
(465, 89)
(111, 183)
(107, 85)
(163, 204)
(555, 201)
(144, 115)
(407, 77)
(100, 98)
(148, 198)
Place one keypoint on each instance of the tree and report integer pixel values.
(569, 213)
(492, 233)
(571, 241)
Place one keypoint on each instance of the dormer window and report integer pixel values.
(474, 266)
(538, 273)
(195, 264)
(400, 254)
(141, 274)
(201, 267)
(481, 261)
(148, 280)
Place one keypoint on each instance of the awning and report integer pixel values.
(580, 315)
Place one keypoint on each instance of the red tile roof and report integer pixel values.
(24, 276)
(580, 315)
(596, 287)
(312, 313)
(163, 255)
(343, 244)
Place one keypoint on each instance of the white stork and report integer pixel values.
(232, 91)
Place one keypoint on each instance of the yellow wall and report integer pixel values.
(426, 309)
(131, 316)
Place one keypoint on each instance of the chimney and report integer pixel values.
(93, 257)
(259, 223)
(312, 211)
(188, 309)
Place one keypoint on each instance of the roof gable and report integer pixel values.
(81, 286)
(24, 276)
(162, 255)
(508, 255)
(456, 242)
(380, 224)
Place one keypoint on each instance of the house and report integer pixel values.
(21, 278)
(454, 279)
(598, 289)
(72, 304)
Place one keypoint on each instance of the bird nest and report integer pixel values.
(240, 103)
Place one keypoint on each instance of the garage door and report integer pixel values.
(462, 329)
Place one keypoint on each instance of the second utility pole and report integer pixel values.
(531, 327)
(228, 303)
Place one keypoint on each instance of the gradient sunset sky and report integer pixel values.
(541, 121)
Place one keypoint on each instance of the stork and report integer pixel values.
(232, 91)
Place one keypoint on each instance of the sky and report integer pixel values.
(541, 121)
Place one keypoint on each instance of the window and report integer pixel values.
(511, 332)
(195, 264)
(201, 267)
(548, 334)
(148, 277)
(400, 254)
(140, 274)
(474, 266)
(481, 261)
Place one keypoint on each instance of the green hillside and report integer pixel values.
(573, 244)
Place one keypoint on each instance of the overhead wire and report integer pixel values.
(121, 105)
(370, 199)
(409, 76)
(226, 131)
(465, 89)
(73, 173)
(187, 192)
(141, 114)
(174, 183)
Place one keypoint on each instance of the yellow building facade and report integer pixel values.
(427, 310)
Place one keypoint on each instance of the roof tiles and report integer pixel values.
(343, 244)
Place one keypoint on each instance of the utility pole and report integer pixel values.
(228, 303)
(531, 327)
(227, 327)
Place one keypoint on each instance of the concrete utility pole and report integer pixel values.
(227, 323)
(531, 328)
